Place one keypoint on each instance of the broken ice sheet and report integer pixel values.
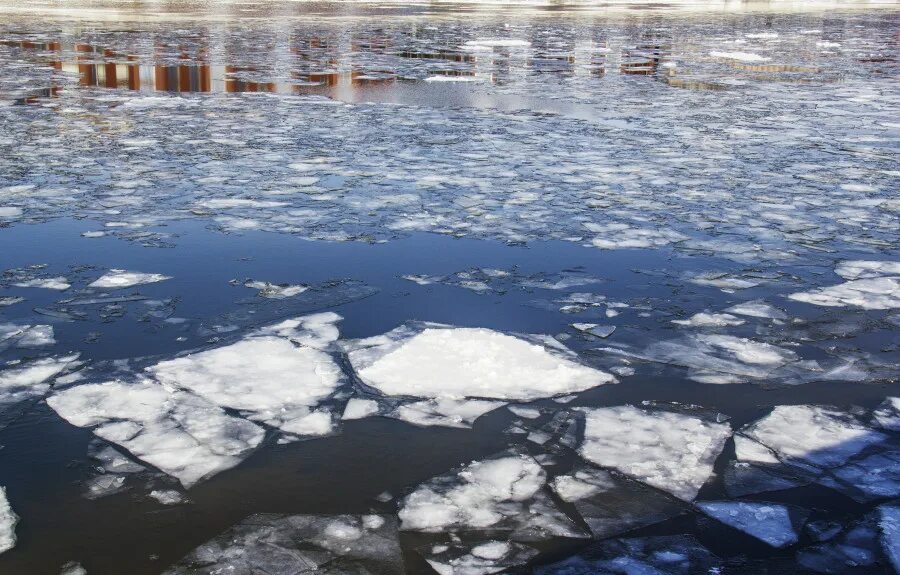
(670, 451)
(503, 494)
(889, 522)
(117, 279)
(298, 544)
(56, 283)
(870, 285)
(854, 550)
(25, 336)
(611, 504)
(8, 521)
(757, 308)
(666, 555)
(31, 379)
(771, 523)
(440, 361)
(704, 319)
(176, 432)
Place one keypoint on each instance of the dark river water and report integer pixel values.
(688, 211)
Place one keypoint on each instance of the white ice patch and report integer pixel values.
(58, 283)
(757, 309)
(870, 285)
(276, 291)
(768, 522)
(25, 336)
(8, 521)
(669, 451)
(887, 416)
(268, 379)
(455, 363)
(116, 279)
(445, 412)
(806, 435)
(360, 408)
(179, 433)
(318, 330)
(704, 319)
(504, 492)
(31, 379)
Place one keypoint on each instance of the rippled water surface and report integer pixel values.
(374, 288)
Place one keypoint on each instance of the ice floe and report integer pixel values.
(299, 544)
(32, 379)
(665, 555)
(703, 319)
(889, 522)
(276, 291)
(58, 283)
(670, 451)
(437, 361)
(117, 279)
(768, 522)
(871, 285)
(8, 521)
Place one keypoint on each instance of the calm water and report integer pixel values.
(673, 159)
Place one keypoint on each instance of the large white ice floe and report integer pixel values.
(117, 279)
(805, 435)
(276, 291)
(270, 379)
(768, 522)
(795, 445)
(55, 283)
(300, 544)
(173, 415)
(869, 285)
(181, 434)
(505, 493)
(671, 451)
(8, 521)
(438, 361)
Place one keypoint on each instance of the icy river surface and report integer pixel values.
(461, 288)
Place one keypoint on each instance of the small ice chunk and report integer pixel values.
(768, 522)
(454, 363)
(359, 408)
(104, 485)
(525, 412)
(670, 451)
(167, 496)
(704, 319)
(870, 285)
(58, 283)
(8, 521)
(482, 559)
(757, 309)
(276, 291)
(10, 300)
(117, 279)
(72, 568)
(318, 330)
(866, 269)
(445, 412)
(667, 555)
(596, 330)
(31, 379)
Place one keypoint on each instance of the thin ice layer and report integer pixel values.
(670, 451)
(31, 379)
(179, 433)
(889, 522)
(300, 544)
(117, 279)
(491, 556)
(454, 363)
(869, 285)
(667, 555)
(8, 521)
(768, 522)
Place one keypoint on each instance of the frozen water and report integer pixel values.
(32, 379)
(757, 309)
(889, 522)
(768, 522)
(704, 319)
(854, 550)
(176, 432)
(8, 521)
(269, 379)
(72, 568)
(870, 285)
(448, 362)
(444, 411)
(670, 451)
(482, 559)
(57, 283)
(299, 544)
(806, 435)
(276, 291)
(501, 494)
(887, 416)
(24, 336)
(167, 496)
(117, 279)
